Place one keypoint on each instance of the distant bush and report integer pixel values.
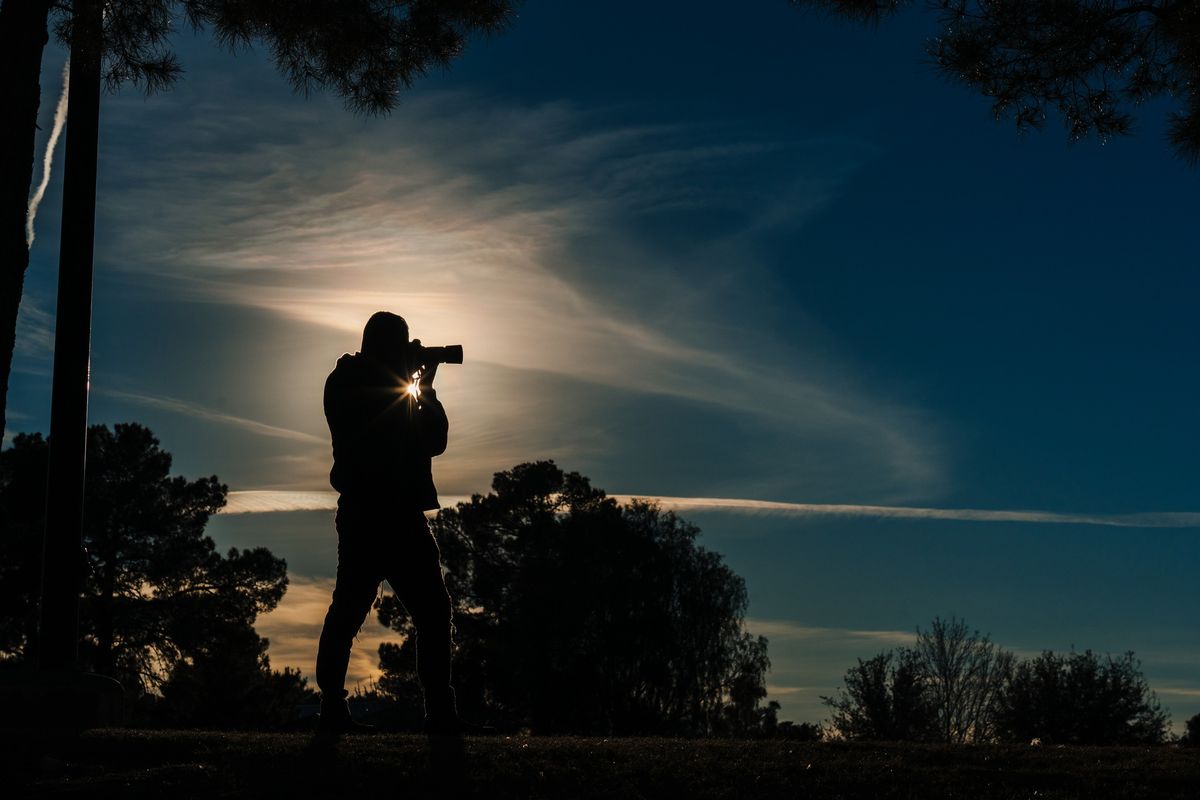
(956, 686)
(799, 731)
(1191, 736)
(1080, 698)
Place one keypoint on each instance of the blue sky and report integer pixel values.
(748, 253)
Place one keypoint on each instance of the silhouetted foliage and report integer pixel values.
(576, 614)
(230, 685)
(1191, 733)
(161, 607)
(365, 51)
(957, 686)
(1091, 60)
(1080, 698)
(885, 699)
(964, 674)
(800, 731)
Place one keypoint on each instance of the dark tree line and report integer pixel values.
(574, 614)
(955, 685)
(577, 614)
(163, 611)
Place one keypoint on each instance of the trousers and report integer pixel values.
(378, 542)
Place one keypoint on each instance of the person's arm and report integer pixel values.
(433, 427)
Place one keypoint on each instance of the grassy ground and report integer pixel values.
(187, 764)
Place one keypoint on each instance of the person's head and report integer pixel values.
(385, 337)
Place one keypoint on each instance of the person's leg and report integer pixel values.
(353, 594)
(417, 580)
(352, 600)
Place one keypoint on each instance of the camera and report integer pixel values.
(426, 357)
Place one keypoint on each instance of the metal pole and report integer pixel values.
(62, 564)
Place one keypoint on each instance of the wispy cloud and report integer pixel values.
(35, 330)
(60, 118)
(200, 412)
(514, 232)
(244, 502)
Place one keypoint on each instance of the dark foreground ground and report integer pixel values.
(186, 764)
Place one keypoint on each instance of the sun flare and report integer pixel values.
(413, 388)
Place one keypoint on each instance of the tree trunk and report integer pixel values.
(63, 562)
(23, 37)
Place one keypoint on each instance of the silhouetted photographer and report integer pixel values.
(387, 425)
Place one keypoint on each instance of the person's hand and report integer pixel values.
(410, 359)
(427, 376)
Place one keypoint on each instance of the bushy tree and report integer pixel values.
(576, 614)
(885, 698)
(158, 596)
(1080, 698)
(1089, 60)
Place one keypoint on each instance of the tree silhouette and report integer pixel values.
(1090, 60)
(158, 596)
(945, 689)
(964, 674)
(885, 699)
(956, 686)
(1080, 698)
(230, 686)
(365, 51)
(1191, 734)
(576, 614)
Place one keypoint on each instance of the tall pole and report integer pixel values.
(63, 560)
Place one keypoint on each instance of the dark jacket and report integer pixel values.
(383, 439)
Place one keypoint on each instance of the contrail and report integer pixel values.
(249, 502)
(200, 412)
(60, 118)
(1151, 519)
